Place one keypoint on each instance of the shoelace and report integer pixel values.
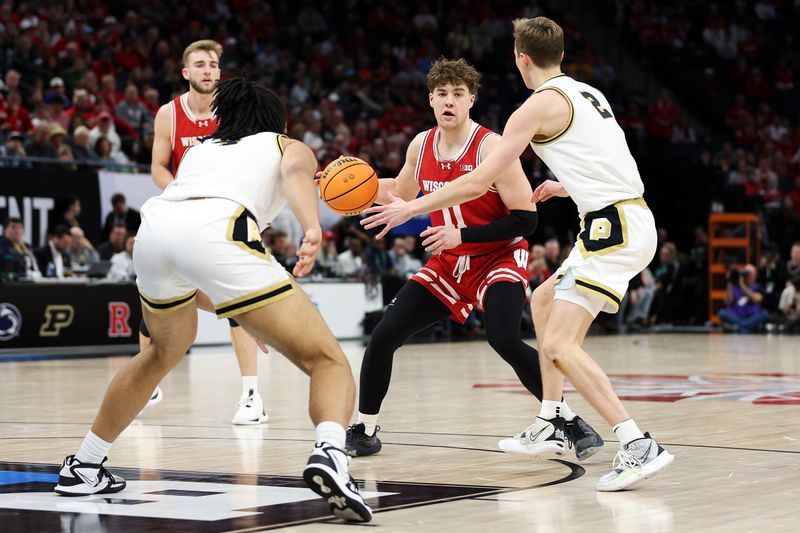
(624, 460)
(248, 402)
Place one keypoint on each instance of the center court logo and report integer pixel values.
(195, 501)
(10, 321)
(759, 389)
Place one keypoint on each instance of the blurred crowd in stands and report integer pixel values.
(81, 82)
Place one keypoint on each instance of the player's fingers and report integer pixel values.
(372, 222)
(384, 231)
(428, 231)
(374, 209)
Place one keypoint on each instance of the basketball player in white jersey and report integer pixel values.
(202, 233)
(572, 129)
(178, 124)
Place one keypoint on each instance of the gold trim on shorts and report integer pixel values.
(599, 289)
(160, 307)
(254, 300)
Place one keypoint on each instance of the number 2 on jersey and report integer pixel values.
(605, 113)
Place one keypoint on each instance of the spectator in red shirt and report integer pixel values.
(756, 86)
(663, 114)
(17, 117)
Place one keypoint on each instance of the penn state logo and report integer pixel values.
(10, 321)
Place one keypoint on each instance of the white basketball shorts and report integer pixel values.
(210, 244)
(615, 243)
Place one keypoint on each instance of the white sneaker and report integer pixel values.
(250, 410)
(84, 479)
(638, 460)
(327, 474)
(543, 438)
(156, 397)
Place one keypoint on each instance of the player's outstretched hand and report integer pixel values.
(307, 253)
(547, 190)
(389, 215)
(441, 238)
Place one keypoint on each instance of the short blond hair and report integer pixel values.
(206, 45)
(541, 39)
(454, 72)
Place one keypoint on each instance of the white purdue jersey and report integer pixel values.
(589, 157)
(247, 171)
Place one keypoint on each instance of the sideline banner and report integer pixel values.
(44, 315)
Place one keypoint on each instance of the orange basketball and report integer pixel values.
(348, 185)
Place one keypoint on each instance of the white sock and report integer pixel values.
(627, 431)
(332, 433)
(550, 409)
(566, 412)
(93, 449)
(370, 422)
(249, 383)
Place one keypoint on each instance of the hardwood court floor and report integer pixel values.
(727, 407)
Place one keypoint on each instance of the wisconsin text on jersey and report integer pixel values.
(187, 142)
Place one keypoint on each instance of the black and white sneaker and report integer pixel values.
(84, 479)
(326, 474)
(583, 437)
(358, 443)
(543, 438)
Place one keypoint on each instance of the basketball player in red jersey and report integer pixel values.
(487, 265)
(178, 125)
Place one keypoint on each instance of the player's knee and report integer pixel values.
(166, 354)
(501, 342)
(384, 340)
(554, 349)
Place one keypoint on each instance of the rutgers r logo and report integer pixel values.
(445, 166)
(202, 123)
(56, 318)
(118, 315)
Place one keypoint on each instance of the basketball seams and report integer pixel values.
(350, 190)
(328, 179)
(358, 209)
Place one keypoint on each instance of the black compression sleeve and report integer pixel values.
(518, 224)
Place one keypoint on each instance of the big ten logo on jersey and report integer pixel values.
(56, 318)
(35, 213)
(601, 229)
(430, 185)
(118, 315)
(521, 258)
(189, 141)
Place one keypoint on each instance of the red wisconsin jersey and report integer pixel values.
(186, 129)
(433, 172)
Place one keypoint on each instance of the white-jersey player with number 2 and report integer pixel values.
(571, 127)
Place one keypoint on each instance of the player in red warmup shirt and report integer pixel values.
(178, 126)
(479, 256)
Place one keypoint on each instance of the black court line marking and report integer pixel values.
(576, 472)
(708, 446)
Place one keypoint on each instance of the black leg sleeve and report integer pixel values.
(503, 305)
(413, 309)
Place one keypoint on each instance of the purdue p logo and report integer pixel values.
(56, 318)
(601, 229)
